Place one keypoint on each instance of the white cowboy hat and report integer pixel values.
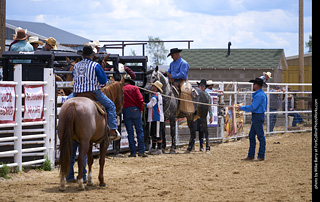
(209, 83)
(35, 39)
(268, 73)
(157, 84)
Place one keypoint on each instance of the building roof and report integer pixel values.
(43, 30)
(238, 59)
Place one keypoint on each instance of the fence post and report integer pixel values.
(268, 109)
(286, 109)
(18, 118)
(50, 114)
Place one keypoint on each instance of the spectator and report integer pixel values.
(275, 102)
(34, 41)
(51, 43)
(156, 117)
(132, 109)
(20, 44)
(297, 118)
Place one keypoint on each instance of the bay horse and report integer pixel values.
(80, 121)
(170, 109)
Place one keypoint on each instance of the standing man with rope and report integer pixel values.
(257, 107)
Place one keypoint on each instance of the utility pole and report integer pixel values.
(2, 26)
(301, 46)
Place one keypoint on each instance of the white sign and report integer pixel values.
(214, 100)
(7, 103)
(33, 103)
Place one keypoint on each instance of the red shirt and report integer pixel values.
(132, 97)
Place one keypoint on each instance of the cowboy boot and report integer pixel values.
(114, 135)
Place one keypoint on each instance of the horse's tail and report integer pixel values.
(66, 129)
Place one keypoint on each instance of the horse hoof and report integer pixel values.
(62, 189)
(187, 152)
(90, 183)
(103, 185)
(172, 151)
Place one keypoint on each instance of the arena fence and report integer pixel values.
(29, 142)
(241, 93)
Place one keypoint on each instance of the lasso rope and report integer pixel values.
(195, 102)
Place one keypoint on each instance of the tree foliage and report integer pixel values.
(156, 50)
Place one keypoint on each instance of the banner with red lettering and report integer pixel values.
(33, 103)
(7, 103)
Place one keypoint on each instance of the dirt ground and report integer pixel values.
(285, 175)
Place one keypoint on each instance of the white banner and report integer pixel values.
(33, 103)
(7, 103)
(214, 100)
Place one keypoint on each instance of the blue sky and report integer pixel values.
(210, 23)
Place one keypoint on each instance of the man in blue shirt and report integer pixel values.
(179, 68)
(257, 107)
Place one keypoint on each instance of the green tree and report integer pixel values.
(309, 43)
(156, 50)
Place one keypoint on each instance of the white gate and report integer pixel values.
(30, 139)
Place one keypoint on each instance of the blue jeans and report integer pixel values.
(257, 129)
(132, 116)
(108, 104)
(70, 176)
(297, 118)
(273, 119)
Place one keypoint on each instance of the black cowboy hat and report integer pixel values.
(202, 82)
(173, 51)
(87, 51)
(257, 81)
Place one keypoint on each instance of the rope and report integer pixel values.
(201, 103)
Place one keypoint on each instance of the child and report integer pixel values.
(155, 117)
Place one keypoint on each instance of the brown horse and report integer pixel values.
(80, 120)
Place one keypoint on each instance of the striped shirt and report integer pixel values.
(155, 108)
(87, 76)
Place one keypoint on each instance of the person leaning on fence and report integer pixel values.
(275, 103)
(265, 77)
(156, 117)
(257, 107)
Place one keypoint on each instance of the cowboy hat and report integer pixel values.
(257, 81)
(173, 51)
(52, 42)
(268, 73)
(127, 78)
(86, 51)
(202, 82)
(35, 39)
(209, 83)
(20, 35)
(157, 84)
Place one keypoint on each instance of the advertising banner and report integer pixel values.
(7, 103)
(33, 103)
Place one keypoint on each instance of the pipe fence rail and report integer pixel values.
(29, 143)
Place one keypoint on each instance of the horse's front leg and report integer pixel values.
(90, 162)
(172, 120)
(103, 149)
(83, 149)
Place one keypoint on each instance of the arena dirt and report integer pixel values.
(285, 175)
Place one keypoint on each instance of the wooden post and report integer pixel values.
(301, 51)
(2, 26)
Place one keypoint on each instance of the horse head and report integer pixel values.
(154, 75)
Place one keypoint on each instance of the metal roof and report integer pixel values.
(43, 30)
(238, 59)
